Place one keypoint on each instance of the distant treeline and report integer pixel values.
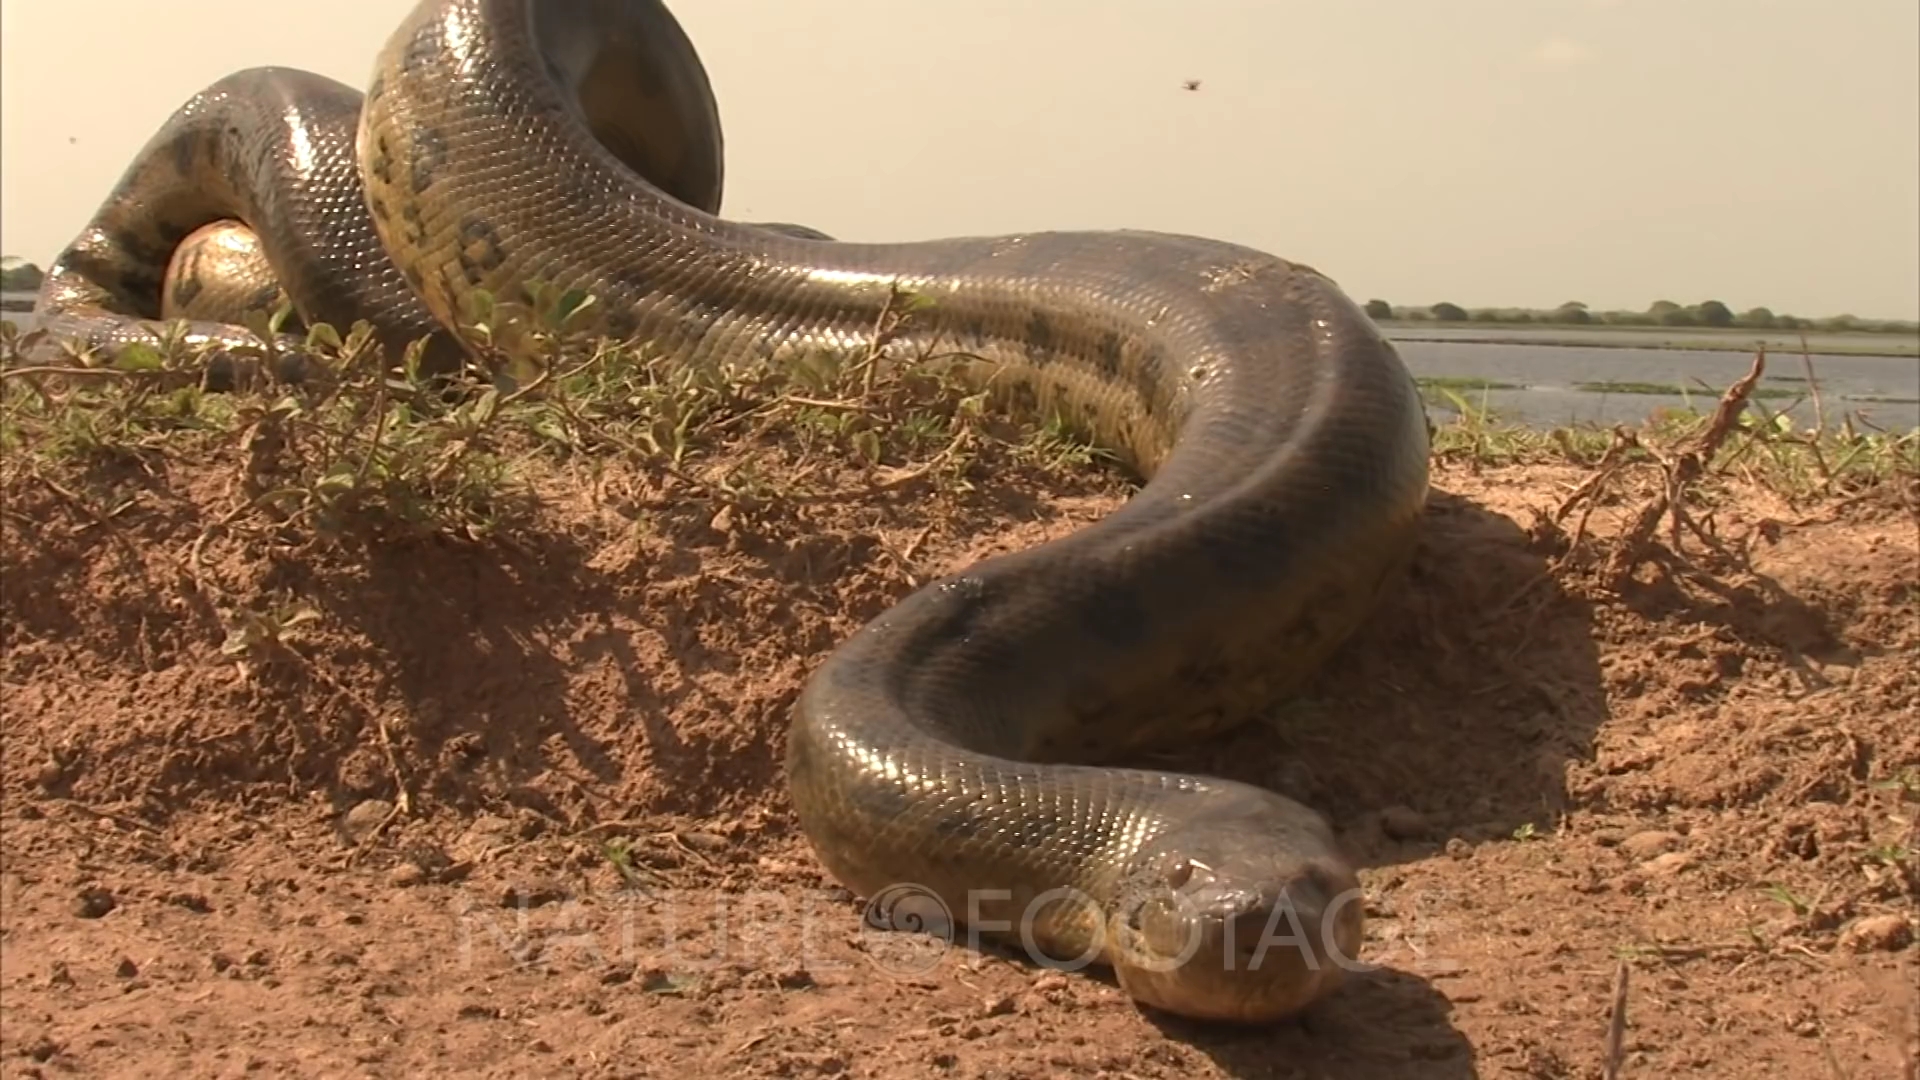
(1711, 313)
(18, 275)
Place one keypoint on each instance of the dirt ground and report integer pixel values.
(514, 807)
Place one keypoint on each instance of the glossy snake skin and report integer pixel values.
(967, 744)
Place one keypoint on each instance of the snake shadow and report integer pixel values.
(1448, 720)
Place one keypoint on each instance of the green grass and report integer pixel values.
(1464, 382)
(1675, 390)
(359, 448)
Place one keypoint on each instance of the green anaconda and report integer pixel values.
(967, 744)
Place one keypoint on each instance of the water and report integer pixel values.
(1831, 342)
(1882, 391)
(1543, 381)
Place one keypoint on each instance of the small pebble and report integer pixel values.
(488, 834)
(94, 902)
(361, 821)
(794, 979)
(1649, 843)
(126, 969)
(1671, 863)
(406, 874)
(1048, 983)
(1884, 933)
(1459, 848)
(531, 896)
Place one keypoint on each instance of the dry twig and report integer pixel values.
(1617, 1025)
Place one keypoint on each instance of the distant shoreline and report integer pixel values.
(1693, 339)
(1864, 343)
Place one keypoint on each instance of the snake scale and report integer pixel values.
(966, 744)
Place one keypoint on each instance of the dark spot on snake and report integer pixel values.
(377, 207)
(575, 190)
(1039, 339)
(954, 819)
(1147, 375)
(1107, 355)
(186, 153)
(621, 325)
(628, 284)
(480, 251)
(266, 298)
(1023, 399)
(381, 163)
(429, 153)
(694, 321)
(148, 254)
(413, 228)
(422, 49)
(189, 287)
(1032, 830)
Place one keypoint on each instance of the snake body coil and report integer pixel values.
(963, 744)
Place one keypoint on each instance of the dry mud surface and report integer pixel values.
(514, 807)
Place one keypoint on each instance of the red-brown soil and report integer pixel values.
(513, 807)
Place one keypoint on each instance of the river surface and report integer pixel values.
(1666, 337)
(1546, 385)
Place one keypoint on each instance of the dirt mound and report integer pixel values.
(510, 804)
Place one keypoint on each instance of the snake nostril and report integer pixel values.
(1179, 873)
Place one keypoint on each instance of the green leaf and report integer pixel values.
(280, 315)
(477, 306)
(138, 356)
(323, 334)
(572, 302)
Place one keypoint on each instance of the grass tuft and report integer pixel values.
(350, 448)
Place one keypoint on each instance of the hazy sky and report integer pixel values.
(1487, 152)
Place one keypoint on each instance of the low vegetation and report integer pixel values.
(1710, 314)
(18, 275)
(351, 443)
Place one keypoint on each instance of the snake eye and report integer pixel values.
(1179, 873)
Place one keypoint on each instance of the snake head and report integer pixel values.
(1247, 914)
